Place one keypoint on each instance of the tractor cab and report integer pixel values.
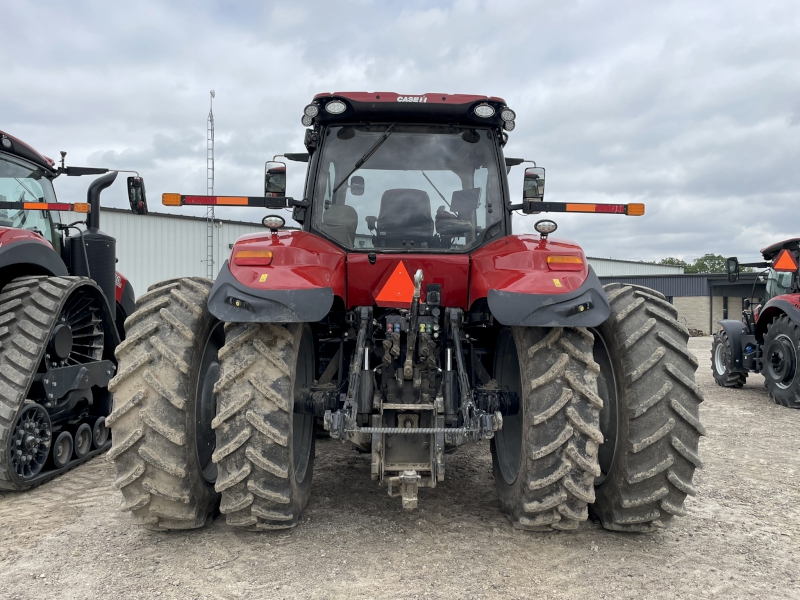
(24, 182)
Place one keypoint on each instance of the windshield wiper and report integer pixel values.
(367, 155)
(437, 189)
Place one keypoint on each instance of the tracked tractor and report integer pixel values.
(406, 318)
(62, 310)
(767, 339)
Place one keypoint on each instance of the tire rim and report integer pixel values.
(83, 440)
(609, 414)
(720, 361)
(206, 402)
(782, 361)
(303, 424)
(30, 440)
(508, 441)
(62, 449)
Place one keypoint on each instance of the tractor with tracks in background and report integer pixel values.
(62, 313)
(767, 339)
(407, 332)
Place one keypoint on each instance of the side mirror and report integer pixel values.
(371, 222)
(274, 179)
(732, 266)
(533, 189)
(137, 196)
(357, 185)
(746, 304)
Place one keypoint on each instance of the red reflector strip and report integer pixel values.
(617, 209)
(223, 201)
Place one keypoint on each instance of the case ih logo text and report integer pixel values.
(412, 98)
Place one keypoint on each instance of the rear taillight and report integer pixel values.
(252, 258)
(565, 262)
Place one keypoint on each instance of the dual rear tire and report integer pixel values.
(203, 415)
(608, 419)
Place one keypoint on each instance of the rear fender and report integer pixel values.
(299, 285)
(788, 304)
(521, 288)
(738, 337)
(126, 302)
(28, 254)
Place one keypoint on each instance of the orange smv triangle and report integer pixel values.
(398, 291)
(785, 262)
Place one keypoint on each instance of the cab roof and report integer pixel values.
(771, 252)
(439, 108)
(23, 150)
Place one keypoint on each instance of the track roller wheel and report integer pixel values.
(650, 419)
(545, 456)
(163, 407)
(99, 432)
(721, 359)
(781, 375)
(62, 449)
(83, 440)
(265, 452)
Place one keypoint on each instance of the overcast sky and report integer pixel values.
(691, 107)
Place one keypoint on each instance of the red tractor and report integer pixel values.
(62, 309)
(767, 338)
(406, 332)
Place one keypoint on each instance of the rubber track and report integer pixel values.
(253, 426)
(562, 430)
(730, 379)
(29, 307)
(660, 455)
(155, 461)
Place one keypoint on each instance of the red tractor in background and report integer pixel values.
(767, 339)
(62, 310)
(406, 332)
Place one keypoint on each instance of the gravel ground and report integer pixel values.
(741, 538)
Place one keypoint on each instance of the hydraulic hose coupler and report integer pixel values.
(408, 366)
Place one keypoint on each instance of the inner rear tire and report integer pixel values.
(721, 359)
(545, 456)
(265, 452)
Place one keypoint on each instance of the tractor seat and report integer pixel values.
(405, 214)
(340, 222)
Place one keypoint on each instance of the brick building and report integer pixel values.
(701, 299)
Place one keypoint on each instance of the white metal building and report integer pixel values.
(161, 246)
(612, 267)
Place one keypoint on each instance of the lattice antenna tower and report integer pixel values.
(210, 188)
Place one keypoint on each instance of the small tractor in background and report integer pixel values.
(62, 310)
(406, 332)
(767, 339)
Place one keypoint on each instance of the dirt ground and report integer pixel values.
(741, 538)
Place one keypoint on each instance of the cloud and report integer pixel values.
(689, 107)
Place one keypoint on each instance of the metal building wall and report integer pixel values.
(609, 267)
(156, 247)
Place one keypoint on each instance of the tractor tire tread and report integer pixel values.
(155, 463)
(654, 466)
